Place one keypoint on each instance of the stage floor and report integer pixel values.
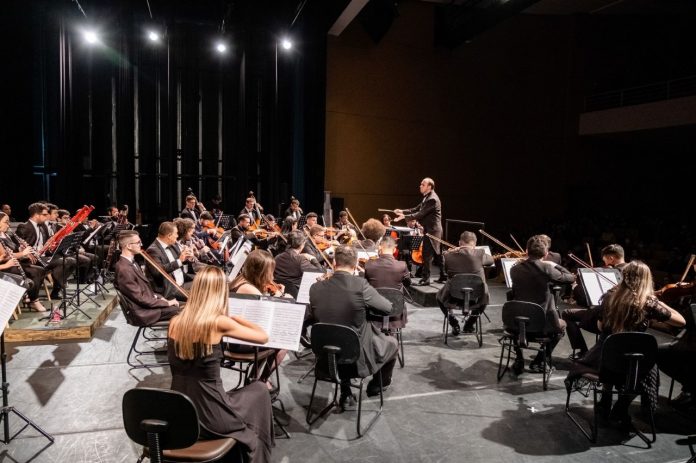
(445, 405)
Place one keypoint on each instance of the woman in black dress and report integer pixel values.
(194, 355)
(629, 306)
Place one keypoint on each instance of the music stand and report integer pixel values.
(414, 245)
(98, 276)
(301, 222)
(596, 282)
(507, 263)
(69, 244)
(10, 295)
(227, 222)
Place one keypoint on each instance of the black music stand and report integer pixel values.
(6, 407)
(416, 241)
(301, 222)
(98, 277)
(70, 245)
(227, 222)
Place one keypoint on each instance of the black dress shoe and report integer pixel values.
(470, 325)
(454, 323)
(373, 388)
(346, 401)
(442, 279)
(423, 282)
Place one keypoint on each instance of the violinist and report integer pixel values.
(385, 271)
(293, 262)
(256, 277)
(585, 317)
(35, 233)
(294, 210)
(551, 256)
(347, 232)
(386, 220)
(464, 259)
(312, 219)
(242, 230)
(373, 231)
(323, 245)
(190, 211)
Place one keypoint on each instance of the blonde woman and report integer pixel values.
(194, 355)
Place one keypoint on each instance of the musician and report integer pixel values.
(7, 210)
(428, 213)
(386, 220)
(147, 307)
(530, 283)
(464, 259)
(242, 230)
(216, 206)
(85, 259)
(190, 211)
(343, 299)
(613, 256)
(165, 251)
(629, 306)
(35, 233)
(185, 229)
(252, 209)
(551, 256)
(112, 213)
(52, 223)
(312, 219)
(385, 271)
(293, 262)
(294, 210)
(373, 231)
(34, 273)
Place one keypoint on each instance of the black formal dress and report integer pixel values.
(244, 414)
(429, 214)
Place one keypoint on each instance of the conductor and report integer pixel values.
(429, 214)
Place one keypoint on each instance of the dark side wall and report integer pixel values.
(488, 121)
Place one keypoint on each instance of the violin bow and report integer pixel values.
(589, 254)
(688, 266)
(586, 265)
(516, 243)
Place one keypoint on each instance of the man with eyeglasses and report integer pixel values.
(35, 233)
(145, 306)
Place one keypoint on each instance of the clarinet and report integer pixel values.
(14, 260)
(34, 252)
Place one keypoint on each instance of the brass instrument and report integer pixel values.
(154, 264)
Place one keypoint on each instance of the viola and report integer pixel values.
(214, 237)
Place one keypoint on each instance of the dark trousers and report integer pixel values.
(550, 346)
(428, 254)
(679, 362)
(576, 320)
(61, 270)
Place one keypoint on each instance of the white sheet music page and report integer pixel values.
(10, 295)
(507, 263)
(308, 279)
(597, 285)
(281, 320)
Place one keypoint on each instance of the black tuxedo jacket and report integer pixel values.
(387, 272)
(429, 214)
(158, 282)
(27, 232)
(144, 306)
(188, 214)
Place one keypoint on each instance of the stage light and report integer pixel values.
(221, 47)
(153, 36)
(90, 37)
(286, 44)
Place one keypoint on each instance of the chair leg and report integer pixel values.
(479, 330)
(671, 389)
(326, 409)
(504, 344)
(546, 371)
(592, 435)
(444, 327)
(307, 373)
(133, 349)
(400, 340)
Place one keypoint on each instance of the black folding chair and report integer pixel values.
(149, 333)
(524, 323)
(337, 349)
(627, 359)
(166, 424)
(397, 298)
(467, 291)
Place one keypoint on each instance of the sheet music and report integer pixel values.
(308, 279)
(507, 263)
(10, 295)
(239, 257)
(281, 320)
(486, 249)
(367, 254)
(595, 285)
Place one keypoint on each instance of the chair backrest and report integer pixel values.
(534, 312)
(467, 280)
(341, 336)
(171, 407)
(627, 358)
(126, 307)
(396, 297)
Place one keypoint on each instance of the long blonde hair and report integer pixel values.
(625, 303)
(196, 324)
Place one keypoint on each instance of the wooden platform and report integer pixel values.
(76, 327)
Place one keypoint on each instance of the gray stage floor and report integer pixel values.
(444, 406)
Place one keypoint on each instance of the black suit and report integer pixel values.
(429, 214)
(531, 280)
(463, 260)
(59, 267)
(145, 307)
(190, 214)
(158, 282)
(289, 269)
(342, 299)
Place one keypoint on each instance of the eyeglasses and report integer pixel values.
(139, 243)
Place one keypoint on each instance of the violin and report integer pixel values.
(672, 292)
(275, 288)
(214, 237)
